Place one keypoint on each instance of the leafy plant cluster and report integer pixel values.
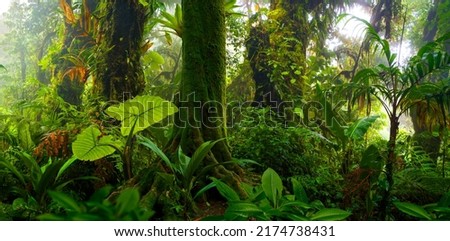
(262, 137)
(267, 202)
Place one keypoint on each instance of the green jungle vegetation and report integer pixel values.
(225, 110)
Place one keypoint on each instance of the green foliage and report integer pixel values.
(189, 170)
(173, 22)
(135, 115)
(141, 112)
(413, 210)
(420, 185)
(359, 128)
(41, 178)
(372, 161)
(272, 186)
(290, 151)
(126, 207)
(153, 60)
(91, 146)
(267, 202)
(433, 211)
(30, 193)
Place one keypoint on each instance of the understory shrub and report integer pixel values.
(290, 151)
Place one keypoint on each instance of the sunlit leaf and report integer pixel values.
(91, 146)
(358, 129)
(141, 112)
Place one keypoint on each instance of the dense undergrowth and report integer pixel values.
(324, 156)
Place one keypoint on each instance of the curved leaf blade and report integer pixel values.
(90, 147)
(272, 186)
(330, 214)
(141, 112)
(358, 129)
(413, 210)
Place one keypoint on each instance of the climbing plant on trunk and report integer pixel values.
(277, 47)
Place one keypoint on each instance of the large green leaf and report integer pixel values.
(127, 201)
(173, 22)
(66, 165)
(330, 214)
(24, 135)
(141, 112)
(244, 208)
(152, 146)
(225, 190)
(299, 191)
(413, 210)
(358, 129)
(154, 60)
(197, 158)
(272, 186)
(90, 146)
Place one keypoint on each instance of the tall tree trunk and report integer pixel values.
(201, 115)
(257, 45)
(391, 158)
(286, 46)
(119, 73)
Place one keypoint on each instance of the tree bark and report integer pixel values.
(119, 72)
(285, 45)
(201, 103)
(391, 158)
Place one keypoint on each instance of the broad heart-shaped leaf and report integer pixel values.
(272, 186)
(330, 214)
(358, 129)
(141, 112)
(413, 210)
(89, 146)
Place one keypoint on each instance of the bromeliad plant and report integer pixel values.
(267, 202)
(135, 115)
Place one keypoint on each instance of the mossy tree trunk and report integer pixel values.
(119, 72)
(201, 102)
(277, 53)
